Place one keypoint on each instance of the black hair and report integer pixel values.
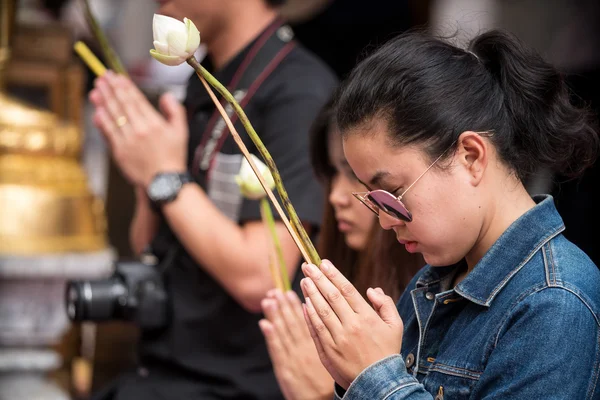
(430, 91)
(276, 3)
(319, 142)
(382, 262)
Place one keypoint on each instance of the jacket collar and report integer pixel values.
(513, 249)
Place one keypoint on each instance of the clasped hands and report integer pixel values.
(348, 332)
(142, 141)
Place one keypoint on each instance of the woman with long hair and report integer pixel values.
(349, 236)
(507, 307)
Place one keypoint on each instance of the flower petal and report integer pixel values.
(166, 59)
(162, 48)
(193, 36)
(250, 186)
(177, 42)
(162, 25)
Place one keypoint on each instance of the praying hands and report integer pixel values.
(349, 334)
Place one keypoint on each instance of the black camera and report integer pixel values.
(135, 292)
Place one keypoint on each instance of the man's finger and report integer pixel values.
(106, 125)
(129, 107)
(173, 111)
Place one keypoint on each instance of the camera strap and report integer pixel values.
(169, 258)
(268, 51)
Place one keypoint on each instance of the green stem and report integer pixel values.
(112, 59)
(294, 220)
(270, 221)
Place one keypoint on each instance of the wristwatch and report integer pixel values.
(165, 187)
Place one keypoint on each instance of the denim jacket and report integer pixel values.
(524, 324)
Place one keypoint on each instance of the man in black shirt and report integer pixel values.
(212, 347)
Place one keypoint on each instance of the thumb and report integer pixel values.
(384, 306)
(173, 111)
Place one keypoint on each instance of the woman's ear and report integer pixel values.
(473, 154)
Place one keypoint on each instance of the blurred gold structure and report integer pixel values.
(45, 202)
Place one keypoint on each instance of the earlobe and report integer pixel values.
(473, 154)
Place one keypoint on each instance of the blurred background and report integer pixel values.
(51, 156)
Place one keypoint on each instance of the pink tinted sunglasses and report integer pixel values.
(382, 200)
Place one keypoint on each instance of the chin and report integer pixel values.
(355, 242)
(436, 260)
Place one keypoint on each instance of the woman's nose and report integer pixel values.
(387, 222)
(339, 195)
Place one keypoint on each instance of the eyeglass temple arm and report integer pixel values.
(424, 172)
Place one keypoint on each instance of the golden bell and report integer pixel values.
(45, 203)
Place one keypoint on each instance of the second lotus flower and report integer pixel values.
(174, 41)
(249, 184)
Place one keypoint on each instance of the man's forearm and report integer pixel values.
(144, 223)
(237, 257)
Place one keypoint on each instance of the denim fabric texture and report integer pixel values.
(524, 324)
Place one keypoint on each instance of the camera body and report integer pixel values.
(135, 292)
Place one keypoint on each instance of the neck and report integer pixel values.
(509, 204)
(244, 25)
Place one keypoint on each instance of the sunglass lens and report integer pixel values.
(390, 205)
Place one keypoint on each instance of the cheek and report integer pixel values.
(364, 217)
(447, 222)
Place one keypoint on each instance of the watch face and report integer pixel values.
(164, 187)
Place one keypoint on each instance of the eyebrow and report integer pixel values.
(376, 179)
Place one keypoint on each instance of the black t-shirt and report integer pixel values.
(213, 347)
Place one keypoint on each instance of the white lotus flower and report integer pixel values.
(249, 184)
(174, 41)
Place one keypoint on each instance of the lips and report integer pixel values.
(344, 225)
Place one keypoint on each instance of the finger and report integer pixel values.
(273, 314)
(136, 97)
(385, 307)
(108, 128)
(173, 111)
(96, 98)
(120, 88)
(323, 309)
(276, 351)
(331, 293)
(112, 105)
(313, 334)
(296, 304)
(354, 299)
(291, 312)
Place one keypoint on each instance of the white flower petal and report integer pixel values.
(250, 186)
(177, 42)
(193, 36)
(165, 59)
(162, 25)
(162, 48)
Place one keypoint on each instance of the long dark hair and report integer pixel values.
(430, 91)
(384, 263)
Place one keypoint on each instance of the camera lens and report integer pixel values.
(95, 300)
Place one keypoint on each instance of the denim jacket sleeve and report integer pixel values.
(386, 379)
(538, 353)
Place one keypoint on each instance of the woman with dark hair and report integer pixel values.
(350, 237)
(506, 307)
